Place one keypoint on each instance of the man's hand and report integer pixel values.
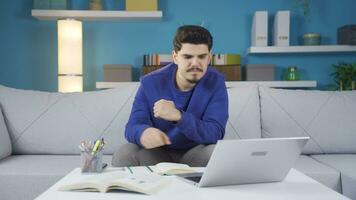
(153, 137)
(166, 110)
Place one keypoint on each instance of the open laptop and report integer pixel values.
(246, 161)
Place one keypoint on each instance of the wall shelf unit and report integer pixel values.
(97, 15)
(274, 84)
(301, 49)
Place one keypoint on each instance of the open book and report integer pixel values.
(168, 168)
(118, 180)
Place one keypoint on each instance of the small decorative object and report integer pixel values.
(305, 5)
(344, 75)
(346, 35)
(95, 5)
(311, 39)
(292, 74)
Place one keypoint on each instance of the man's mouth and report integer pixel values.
(195, 70)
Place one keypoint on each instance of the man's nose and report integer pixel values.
(195, 61)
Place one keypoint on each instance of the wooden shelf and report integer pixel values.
(97, 15)
(302, 49)
(274, 84)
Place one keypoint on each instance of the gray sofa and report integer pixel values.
(40, 131)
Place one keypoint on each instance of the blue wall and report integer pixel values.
(28, 53)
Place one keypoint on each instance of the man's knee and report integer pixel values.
(125, 156)
(198, 156)
(153, 156)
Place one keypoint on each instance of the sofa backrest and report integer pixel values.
(244, 112)
(5, 143)
(327, 117)
(55, 123)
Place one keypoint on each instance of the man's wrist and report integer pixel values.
(179, 116)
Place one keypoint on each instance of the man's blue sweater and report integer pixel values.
(204, 109)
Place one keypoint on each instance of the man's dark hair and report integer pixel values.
(193, 35)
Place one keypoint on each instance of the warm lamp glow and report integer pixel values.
(70, 56)
(70, 83)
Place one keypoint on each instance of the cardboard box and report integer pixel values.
(117, 73)
(260, 72)
(141, 5)
(231, 72)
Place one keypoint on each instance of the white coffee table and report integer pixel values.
(295, 186)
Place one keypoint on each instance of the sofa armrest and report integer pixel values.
(5, 142)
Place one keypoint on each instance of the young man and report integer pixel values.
(179, 111)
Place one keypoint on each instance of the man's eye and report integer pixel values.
(188, 57)
(201, 56)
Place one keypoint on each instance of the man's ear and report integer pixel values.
(210, 57)
(174, 56)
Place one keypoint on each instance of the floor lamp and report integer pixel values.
(70, 55)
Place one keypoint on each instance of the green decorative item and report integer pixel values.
(344, 76)
(305, 4)
(292, 74)
(311, 39)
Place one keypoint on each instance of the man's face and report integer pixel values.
(192, 61)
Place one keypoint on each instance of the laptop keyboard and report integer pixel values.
(194, 178)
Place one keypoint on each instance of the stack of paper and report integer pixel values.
(259, 29)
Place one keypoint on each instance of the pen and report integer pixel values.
(149, 168)
(130, 170)
(96, 147)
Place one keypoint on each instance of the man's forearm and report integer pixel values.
(202, 132)
(133, 132)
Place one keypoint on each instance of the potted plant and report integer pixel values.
(305, 5)
(345, 75)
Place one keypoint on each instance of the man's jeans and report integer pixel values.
(133, 155)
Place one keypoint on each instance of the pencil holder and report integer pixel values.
(92, 162)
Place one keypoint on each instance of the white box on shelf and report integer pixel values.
(219, 59)
(259, 29)
(281, 28)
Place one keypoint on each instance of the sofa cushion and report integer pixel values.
(55, 123)
(244, 113)
(327, 117)
(346, 164)
(33, 174)
(324, 174)
(5, 143)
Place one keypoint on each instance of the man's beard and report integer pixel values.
(192, 81)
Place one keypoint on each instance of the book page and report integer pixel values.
(147, 183)
(173, 168)
(99, 182)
